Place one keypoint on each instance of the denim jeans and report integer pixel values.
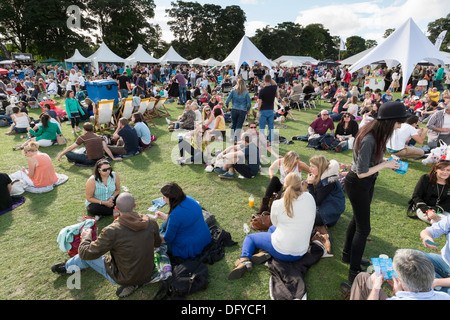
(441, 269)
(124, 93)
(266, 116)
(80, 158)
(237, 121)
(263, 241)
(182, 92)
(97, 264)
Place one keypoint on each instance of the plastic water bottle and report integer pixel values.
(251, 201)
(246, 228)
(166, 267)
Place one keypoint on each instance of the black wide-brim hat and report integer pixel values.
(392, 110)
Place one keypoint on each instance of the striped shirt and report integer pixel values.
(104, 192)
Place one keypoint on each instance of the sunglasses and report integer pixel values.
(252, 127)
(105, 169)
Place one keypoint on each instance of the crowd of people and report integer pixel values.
(302, 209)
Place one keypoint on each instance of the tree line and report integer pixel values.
(43, 27)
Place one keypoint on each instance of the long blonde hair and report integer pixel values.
(322, 164)
(290, 160)
(240, 87)
(292, 190)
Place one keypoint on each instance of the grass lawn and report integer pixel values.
(28, 234)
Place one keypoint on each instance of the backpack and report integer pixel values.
(187, 278)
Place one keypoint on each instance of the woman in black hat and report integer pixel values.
(368, 150)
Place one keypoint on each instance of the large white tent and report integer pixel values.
(196, 61)
(355, 58)
(406, 46)
(172, 57)
(104, 54)
(140, 55)
(247, 52)
(77, 58)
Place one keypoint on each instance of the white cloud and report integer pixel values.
(252, 26)
(253, 2)
(161, 19)
(369, 19)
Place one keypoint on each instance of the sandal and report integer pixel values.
(18, 147)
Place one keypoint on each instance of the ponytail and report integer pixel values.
(292, 190)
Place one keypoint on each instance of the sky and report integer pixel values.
(345, 18)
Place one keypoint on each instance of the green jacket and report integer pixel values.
(72, 106)
(48, 133)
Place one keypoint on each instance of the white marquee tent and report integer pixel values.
(104, 54)
(140, 55)
(295, 61)
(172, 57)
(211, 63)
(196, 61)
(406, 46)
(77, 58)
(247, 52)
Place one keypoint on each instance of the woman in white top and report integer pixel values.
(289, 236)
(289, 163)
(351, 106)
(21, 122)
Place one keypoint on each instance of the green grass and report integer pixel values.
(28, 234)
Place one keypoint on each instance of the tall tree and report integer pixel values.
(436, 27)
(354, 44)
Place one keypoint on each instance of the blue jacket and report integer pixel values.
(187, 232)
(240, 101)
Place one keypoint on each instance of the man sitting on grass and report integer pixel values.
(130, 240)
(243, 158)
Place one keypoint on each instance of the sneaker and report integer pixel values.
(294, 138)
(227, 175)
(73, 130)
(59, 268)
(168, 121)
(126, 291)
(260, 257)
(219, 170)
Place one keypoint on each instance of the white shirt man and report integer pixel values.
(398, 143)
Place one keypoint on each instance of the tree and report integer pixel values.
(388, 32)
(371, 43)
(436, 27)
(354, 44)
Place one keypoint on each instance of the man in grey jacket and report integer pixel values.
(439, 127)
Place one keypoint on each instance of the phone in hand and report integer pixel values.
(432, 243)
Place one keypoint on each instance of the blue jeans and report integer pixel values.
(441, 269)
(124, 93)
(80, 158)
(263, 241)
(97, 264)
(237, 121)
(266, 116)
(182, 91)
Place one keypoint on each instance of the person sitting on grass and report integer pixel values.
(185, 121)
(45, 135)
(125, 141)
(130, 241)
(195, 142)
(288, 238)
(21, 122)
(102, 189)
(244, 159)
(94, 147)
(142, 130)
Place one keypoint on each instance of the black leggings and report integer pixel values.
(97, 209)
(74, 119)
(360, 193)
(275, 185)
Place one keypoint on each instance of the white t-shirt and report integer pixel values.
(401, 136)
(446, 124)
(292, 235)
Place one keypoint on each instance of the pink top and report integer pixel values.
(44, 173)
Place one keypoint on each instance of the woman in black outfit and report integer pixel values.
(368, 150)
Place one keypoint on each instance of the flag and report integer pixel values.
(342, 47)
(439, 39)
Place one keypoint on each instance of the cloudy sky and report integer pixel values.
(344, 18)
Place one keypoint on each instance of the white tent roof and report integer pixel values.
(172, 57)
(211, 63)
(77, 57)
(407, 46)
(295, 61)
(246, 51)
(104, 54)
(196, 61)
(140, 55)
(355, 58)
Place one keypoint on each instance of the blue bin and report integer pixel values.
(103, 89)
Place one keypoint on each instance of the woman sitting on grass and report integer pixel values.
(21, 122)
(40, 171)
(45, 135)
(184, 230)
(102, 189)
(431, 193)
(289, 236)
(195, 143)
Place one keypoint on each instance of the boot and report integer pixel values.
(264, 205)
(242, 264)
(321, 229)
(260, 257)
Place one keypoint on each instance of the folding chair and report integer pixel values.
(151, 111)
(298, 99)
(159, 106)
(143, 109)
(126, 109)
(105, 115)
(309, 101)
